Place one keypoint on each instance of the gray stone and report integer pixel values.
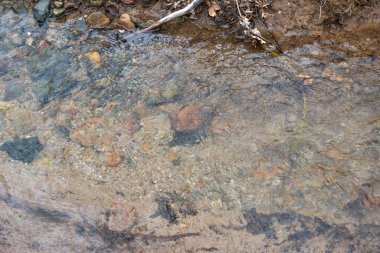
(41, 10)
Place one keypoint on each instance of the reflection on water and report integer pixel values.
(157, 143)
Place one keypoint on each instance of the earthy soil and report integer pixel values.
(283, 20)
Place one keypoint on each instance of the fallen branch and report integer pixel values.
(171, 16)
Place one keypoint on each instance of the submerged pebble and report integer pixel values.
(24, 150)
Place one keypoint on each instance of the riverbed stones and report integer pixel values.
(41, 10)
(97, 20)
(24, 150)
(126, 22)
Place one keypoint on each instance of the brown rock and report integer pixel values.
(122, 217)
(113, 158)
(126, 22)
(188, 118)
(97, 20)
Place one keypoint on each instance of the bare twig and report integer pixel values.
(188, 8)
(253, 33)
(321, 4)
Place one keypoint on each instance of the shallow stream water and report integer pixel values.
(163, 143)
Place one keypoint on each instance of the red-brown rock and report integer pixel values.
(188, 118)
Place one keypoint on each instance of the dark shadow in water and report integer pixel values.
(301, 230)
(46, 214)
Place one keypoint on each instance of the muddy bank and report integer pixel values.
(291, 23)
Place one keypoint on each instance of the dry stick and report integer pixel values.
(254, 33)
(171, 16)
